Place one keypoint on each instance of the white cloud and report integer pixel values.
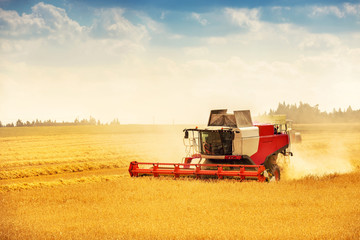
(45, 20)
(150, 24)
(14, 25)
(56, 19)
(200, 19)
(319, 42)
(352, 8)
(245, 18)
(216, 40)
(326, 10)
(341, 11)
(196, 51)
(50, 22)
(110, 23)
(48, 36)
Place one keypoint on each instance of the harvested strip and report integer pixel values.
(59, 182)
(32, 172)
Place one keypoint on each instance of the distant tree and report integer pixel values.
(349, 109)
(37, 122)
(84, 122)
(19, 123)
(115, 122)
(48, 123)
(92, 121)
(305, 113)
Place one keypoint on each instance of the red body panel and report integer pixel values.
(269, 143)
(266, 129)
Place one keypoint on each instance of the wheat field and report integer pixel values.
(72, 183)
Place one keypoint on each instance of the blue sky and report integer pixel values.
(174, 60)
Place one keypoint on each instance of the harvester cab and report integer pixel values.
(230, 146)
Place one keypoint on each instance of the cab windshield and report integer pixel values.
(216, 142)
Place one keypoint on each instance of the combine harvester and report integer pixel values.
(230, 147)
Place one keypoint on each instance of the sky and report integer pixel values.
(167, 62)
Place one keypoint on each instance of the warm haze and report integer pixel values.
(146, 62)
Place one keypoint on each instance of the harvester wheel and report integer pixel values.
(276, 172)
(273, 158)
(270, 161)
(271, 164)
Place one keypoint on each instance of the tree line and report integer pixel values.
(299, 113)
(305, 113)
(76, 122)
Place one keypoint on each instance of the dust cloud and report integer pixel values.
(315, 158)
(159, 144)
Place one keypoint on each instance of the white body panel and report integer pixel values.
(246, 141)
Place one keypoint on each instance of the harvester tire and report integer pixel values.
(276, 172)
(270, 161)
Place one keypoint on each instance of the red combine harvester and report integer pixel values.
(231, 146)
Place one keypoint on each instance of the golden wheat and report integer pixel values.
(145, 208)
(72, 183)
